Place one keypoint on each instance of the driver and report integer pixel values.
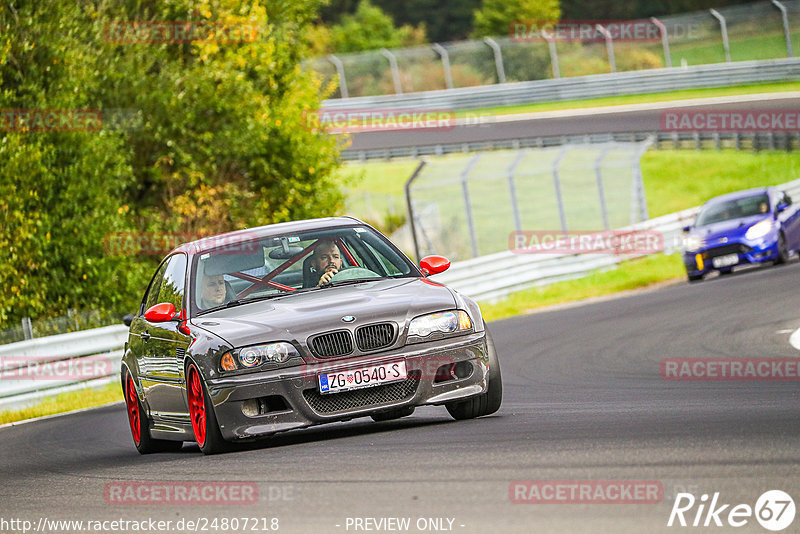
(326, 259)
(212, 291)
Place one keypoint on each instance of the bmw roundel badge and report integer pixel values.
(348, 318)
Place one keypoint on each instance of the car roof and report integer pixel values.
(740, 194)
(212, 242)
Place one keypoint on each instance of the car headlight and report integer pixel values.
(759, 230)
(436, 324)
(692, 243)
(277, 354)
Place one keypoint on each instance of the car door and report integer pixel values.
(166, 348)
(790, 218)
(139, 336)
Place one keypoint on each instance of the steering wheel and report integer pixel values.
(352, 273)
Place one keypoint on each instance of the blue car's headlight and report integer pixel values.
(759, 230)
(435, 325)
(278, 354)
(692, 243)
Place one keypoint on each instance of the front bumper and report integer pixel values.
(700, 262)
(302, 405)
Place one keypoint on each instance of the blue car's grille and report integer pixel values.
(733, 248)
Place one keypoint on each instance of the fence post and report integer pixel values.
(638, 198)
(551, 43)
(398, 88)
(340, 70)
(498, 59)
(664, 40)
(601, 195)
(723, 26)
(786, 32)
(27, 328)
(557, 185)
(448, 75)
(612, 62)
(512, 188)
(410, 206)
(473, 238)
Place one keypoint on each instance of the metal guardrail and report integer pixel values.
(491, 277)
(593, 86)
(33, 369)
(477, 278)
(673, 140)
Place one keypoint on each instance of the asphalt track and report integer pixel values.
(584, 400)
(625, 119)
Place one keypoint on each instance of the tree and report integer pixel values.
(220, 139)
(369, 28)
(496, 16)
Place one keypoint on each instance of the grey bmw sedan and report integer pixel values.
(246, 334)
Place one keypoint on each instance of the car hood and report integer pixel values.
(296, 317)
(732, 229)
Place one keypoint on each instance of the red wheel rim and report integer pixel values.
(132, 401)
(197, 405)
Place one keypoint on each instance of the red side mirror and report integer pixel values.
(158, 313)
(434, 264)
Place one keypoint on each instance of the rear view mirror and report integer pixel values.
(128, 319)
(159, 313)
(781, 207)
(686, 229)
(434, 264)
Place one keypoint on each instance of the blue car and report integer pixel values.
(752, 226)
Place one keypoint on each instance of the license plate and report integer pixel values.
(725, 261)
(365, 377)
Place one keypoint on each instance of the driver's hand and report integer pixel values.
(326, 277)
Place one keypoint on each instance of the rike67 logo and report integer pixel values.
(774, 510)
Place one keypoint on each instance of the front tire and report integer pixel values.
(783, 252)
(694, 277)
(201, 412)
(486, 403)
(139, 424)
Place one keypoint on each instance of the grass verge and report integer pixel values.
(629, 275)
(66, 402)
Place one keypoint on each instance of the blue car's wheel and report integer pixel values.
(783, 252)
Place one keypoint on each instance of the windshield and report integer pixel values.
(733, 209)
(283, 265)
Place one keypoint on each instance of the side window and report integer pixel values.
(155, 286)
(174, 281)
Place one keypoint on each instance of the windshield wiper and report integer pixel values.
(351, 281)
(239, 302)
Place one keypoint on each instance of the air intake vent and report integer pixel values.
(375, 336)
(334, 344)
(179, 354)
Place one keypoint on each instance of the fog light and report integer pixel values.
(250, 407)
(463, 369)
